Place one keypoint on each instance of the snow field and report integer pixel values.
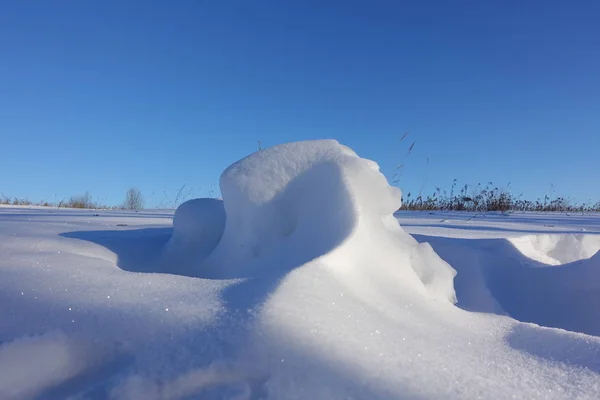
(299, 284)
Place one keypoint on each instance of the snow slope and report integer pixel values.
(313, 291)
(537, 268)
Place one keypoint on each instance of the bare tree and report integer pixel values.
(133, 200)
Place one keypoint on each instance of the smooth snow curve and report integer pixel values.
(198, 225)
(551, 279)
(557, 249)
(297, 202)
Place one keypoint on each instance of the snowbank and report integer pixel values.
(298, 202)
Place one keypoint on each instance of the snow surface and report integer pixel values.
(557, 249)
(198, 226)
(313, 291)
(317, 201)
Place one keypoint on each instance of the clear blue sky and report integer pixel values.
(104, 95)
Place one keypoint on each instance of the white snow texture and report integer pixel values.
(299, 284)
(198, 225)
(296, 202)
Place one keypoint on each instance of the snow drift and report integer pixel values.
(557, 249)
(314, 201)
(530, 278)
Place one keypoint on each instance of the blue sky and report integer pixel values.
(104, 95)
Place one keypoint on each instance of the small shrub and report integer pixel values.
(19, 202)
(81, 201)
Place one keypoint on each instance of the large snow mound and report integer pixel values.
(318, 200)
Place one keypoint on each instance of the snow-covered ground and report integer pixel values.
(300, 285)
